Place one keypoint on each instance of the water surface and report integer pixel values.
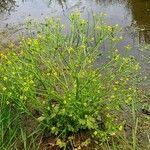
(128, 13)
(132, 15)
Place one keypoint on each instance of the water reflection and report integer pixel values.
(62, 3)
(130, 12)
(141, 15)
(7, 5)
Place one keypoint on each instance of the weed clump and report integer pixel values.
(68, 80)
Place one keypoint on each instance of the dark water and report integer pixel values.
(130, 14)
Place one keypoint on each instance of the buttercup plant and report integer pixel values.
(62, 79)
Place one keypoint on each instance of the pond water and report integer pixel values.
(127, 13)
(130, 14)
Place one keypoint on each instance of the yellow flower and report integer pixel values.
(98, 91)
(117, 82)
(114, 39)
(11, 45)
(85, 104)
(92, 39)
(12, 87)
(130, 89)
(7, 102)
(60, 143)
(83, 46)
(31, 81)
(120, 37)
(120, 128)
(4, 88)
(127, 47)
(89, 61)
(99, 28)
(107, 108)
(137, 67)
(55, 73)
(108, 116)
(115, 89)
(26, 89)
(70, 115)
(63, 26)
(116, 25)
(5, 78)
(95, 133)
(113, 134)
(29, 41)
(22, 97)
(36, 42)
(9, 62)
(78, 13)
(9, 94)
(70, 49)
(39, 36)
(53, 129)
(112, 96)
(128, 100)
(117, 57)
(109, 28)
(43, 102)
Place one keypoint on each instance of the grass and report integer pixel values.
(64, 91)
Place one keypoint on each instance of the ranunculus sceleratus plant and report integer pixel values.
(66, 78)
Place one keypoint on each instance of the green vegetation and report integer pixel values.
(61, 86)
